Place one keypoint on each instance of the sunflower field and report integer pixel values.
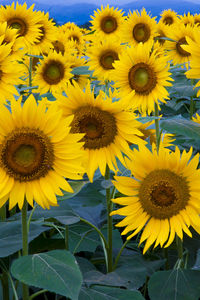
(99, 156)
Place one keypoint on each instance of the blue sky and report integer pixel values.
(104, 2)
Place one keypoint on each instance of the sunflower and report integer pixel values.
(23, 20)
(36, 153)
(179, 34)
(139, 28)
(193, 46)
(82, 79)
(196, 119)
(107, 23)
(10, 71)
(162, 32)
(162, 198)
(76, 37)
(52, 73)
(67, 26)
(197, 19)
(187, 20)
(102, 55)
(46, 35)
(169, 17)
(61, 43)
(141, 77)
(107, 127)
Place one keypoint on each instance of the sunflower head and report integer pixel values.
(169, 17)
(160, 198)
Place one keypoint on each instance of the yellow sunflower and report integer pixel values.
(107, 127)
(169, 17)
(162, 32)
(61, 43)
(36, 153)
(52, 73)
(193, 47)
(139, 28)
(197, 19)
(76, 37)
(196, 119)
(187, 20)
(10, 71)
(46, 35)
(141, 77)
(162, 198)
(67, 26)
(107, 23)
(102, 55)
(179, 34)
(23, 19)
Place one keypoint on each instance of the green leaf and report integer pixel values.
(182, 126)
(76, 186)
(83, 70)
(11, 236)
(109, 293)
(56, 271)
(179, 284)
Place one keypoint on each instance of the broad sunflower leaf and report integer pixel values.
(56, 271)
(82, 70)
(182, 127)
(108, 293)
(178, 284)
(11, 236)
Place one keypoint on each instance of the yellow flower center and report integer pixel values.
(108, 24)
(53, 72)
(26, 154)
(141, 32)
(107, 58)
(99, 126)
(142, 78)
(163, 193)
(180, 50)
(18, 24)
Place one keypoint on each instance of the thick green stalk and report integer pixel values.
(179, 245)
(25, 243)
(109, 223)
(5, 285)
(156, 114)
(192, 103)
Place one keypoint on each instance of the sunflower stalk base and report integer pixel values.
(25, 243)
(179, 244)
(109, 224)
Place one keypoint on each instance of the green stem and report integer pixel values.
(30, 73)
(97, 230)
(15, 296)
(30, 217)
(66, 237)
(81, 240)
(37, 294)
(192, 103)
(25, 243)
(119, 254)
(179, 244)
(109, 223)
(5, 285)
(166, 255)
(3, 213)
(156, 114)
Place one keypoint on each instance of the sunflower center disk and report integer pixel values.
(141, 32)
(18, 24)
(41, 37)
(26, 154)
(99, 126)
(53, 72)
(163, 193)
(108, 24)
(168, 20)
(58, 47)
(107, 59)
(142, 78)
(180, 50)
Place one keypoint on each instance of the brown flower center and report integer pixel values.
(74, 38)
(168, 20)
(26, 154)
(180, 50)
(107, 59)
(99, 126)
(163, 193)
(41, 37)
(108, 24)
(58, 47)
(141, 32)
(142, 78)
(18, 24)
(53, 72)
